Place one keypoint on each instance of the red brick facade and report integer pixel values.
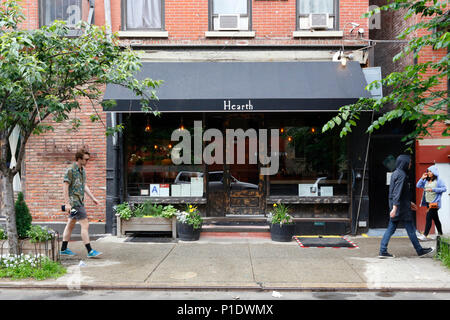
(186, 22)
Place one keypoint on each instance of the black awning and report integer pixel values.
(246, 87)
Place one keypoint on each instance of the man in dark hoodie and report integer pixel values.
(400, 205)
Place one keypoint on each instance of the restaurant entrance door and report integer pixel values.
(236, 187)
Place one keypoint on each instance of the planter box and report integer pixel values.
(146, 224)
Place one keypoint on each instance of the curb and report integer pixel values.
(319, 288)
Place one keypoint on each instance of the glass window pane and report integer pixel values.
(311, 161)
(149, 166)
(230, 6)
(144, 14)
(316, 6)
(65, 10)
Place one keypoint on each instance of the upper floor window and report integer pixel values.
(142, 15)
(70, 11)
(317, 14)
(230, 15)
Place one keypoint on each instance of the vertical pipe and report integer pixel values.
(107, 4)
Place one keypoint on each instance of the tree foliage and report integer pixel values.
(415, 92)
(44, 74)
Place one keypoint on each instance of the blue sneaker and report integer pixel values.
(93, 253)
(67, 252)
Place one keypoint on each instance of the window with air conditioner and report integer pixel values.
(317, 14)
(69, 11)
(142, 15)
(230, 15)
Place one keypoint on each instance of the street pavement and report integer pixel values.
(245, 263)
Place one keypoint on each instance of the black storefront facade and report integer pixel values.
(319, 175)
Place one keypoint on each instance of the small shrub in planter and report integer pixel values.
(189, 224)
(23, 217)
(282, 226)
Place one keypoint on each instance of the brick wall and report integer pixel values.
(273, 21)
(392, 24)
(429, 54)
(47, 157)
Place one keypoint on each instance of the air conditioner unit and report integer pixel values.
(229, 21)
(318, 20)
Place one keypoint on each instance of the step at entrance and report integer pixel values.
(237, 224)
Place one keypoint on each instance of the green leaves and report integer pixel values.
(417, 93)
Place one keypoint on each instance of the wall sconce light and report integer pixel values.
(341, 57)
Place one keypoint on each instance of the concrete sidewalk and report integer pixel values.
(246, 263)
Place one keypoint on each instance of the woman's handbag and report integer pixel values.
(433, 205)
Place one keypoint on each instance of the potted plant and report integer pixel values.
(282, 226)
(189, 224)
(145, 217)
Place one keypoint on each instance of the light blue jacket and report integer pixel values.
(440, 188)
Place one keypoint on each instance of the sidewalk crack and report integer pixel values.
(156, 267)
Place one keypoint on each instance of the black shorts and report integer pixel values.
(78, 213)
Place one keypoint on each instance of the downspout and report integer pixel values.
(107, 4)
(115, 139)
(91, 11)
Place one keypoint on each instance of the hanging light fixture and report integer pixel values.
(148, 128)
(181, 125)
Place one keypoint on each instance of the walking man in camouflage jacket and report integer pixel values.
(74, 189)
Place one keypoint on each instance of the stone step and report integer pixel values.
(243, 228)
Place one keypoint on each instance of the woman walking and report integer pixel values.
(433, 188)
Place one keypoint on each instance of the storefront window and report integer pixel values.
(311, 163)
(150, 170)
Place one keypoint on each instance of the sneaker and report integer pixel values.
(386, 255)
(67, 252)
(93, 253)
(422, 237)
(426, 252)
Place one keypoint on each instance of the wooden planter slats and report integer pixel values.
(146, 224)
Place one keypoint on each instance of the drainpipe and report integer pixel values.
(114, 174)
(91, 11)
(107, 4)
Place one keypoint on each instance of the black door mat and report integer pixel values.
(324, 242)
(151, 238)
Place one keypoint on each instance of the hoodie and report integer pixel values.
(399, 193)
(440, 187)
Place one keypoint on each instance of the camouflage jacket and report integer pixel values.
(76, 177)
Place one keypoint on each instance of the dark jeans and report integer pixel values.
(410, 229)
(432, 214)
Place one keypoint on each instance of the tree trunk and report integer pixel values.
(10, 213)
